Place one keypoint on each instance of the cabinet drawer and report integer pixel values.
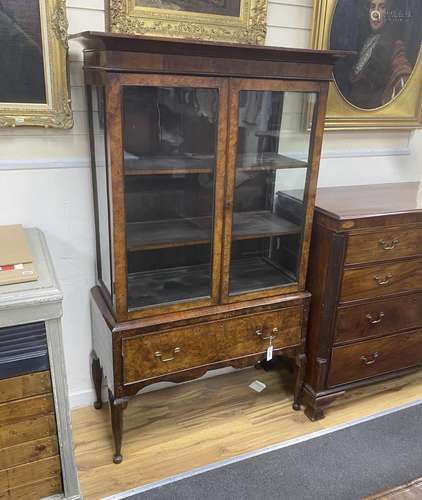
(154, 355)
(384, 245)
(250, 334)
(381, 280)
(148, 356)
(374, 357)
(379, 318)
(24, 386)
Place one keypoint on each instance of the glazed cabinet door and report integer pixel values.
(271, 176)
(169, 172)
(101, 179)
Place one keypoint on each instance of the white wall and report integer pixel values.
(45, 181)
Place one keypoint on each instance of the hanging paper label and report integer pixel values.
(257, 386)
(270, 353)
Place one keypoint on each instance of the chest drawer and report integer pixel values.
(147, 356)
(381, 280)
(29, 460)
(154, 355)
(251, 334)
(384, 245)
(375, 357)
(379, 318)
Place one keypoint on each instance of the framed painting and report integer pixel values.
(240, 21)
(380, 86)
(34, 87)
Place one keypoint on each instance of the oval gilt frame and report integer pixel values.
(403, 112)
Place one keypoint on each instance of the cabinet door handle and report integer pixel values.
(260, 334)
(370, 360)
(159, 355)
(384, 281)
(389, 246)
(373, 321)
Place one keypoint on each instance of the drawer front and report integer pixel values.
(32, 472)
(379, 318)
(20, 409)
(157, 354)
(154, 355)
(31, 429)
(375, 357)
(384, 245)
(31, 451)
(381, 280)
(251, 334)
(24, 386)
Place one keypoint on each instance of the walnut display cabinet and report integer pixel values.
(201, 253)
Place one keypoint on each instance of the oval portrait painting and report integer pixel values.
(386, 36)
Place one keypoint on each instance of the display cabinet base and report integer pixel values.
(122, 351)
(117, 406)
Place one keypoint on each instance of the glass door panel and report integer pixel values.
(272, 170)
(170, 136)
(102, 181)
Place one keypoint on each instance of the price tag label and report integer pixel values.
(270, 353)
(257, 386)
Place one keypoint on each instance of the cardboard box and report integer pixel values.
(16, 262)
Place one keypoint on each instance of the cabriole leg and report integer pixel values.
(300, 378)
(116, 411)
(97, 378)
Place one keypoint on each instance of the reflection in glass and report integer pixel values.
(271, 181)
(169, 161)
(102, 182)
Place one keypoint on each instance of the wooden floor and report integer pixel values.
(191, 425)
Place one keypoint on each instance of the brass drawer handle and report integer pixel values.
(389, 246)
(384, 281)
(373, 321)
(159, 355)
(370, 360)
(260, 334)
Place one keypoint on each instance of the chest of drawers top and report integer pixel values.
(376, 236)
(347, 208)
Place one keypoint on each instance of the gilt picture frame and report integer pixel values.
(34, 86)
(380, 85)
(238, 21)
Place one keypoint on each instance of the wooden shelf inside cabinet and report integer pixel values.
(259, 271)
(250, 225)
(197, 230)
(169, 285)
(169, 165)
(168, 233)
(267, 161)
(190, 165)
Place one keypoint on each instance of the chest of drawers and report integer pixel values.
(36, 449)
(365, 277)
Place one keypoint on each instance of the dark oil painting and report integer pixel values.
(22, 77)
(386, 36)
(221, 7)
